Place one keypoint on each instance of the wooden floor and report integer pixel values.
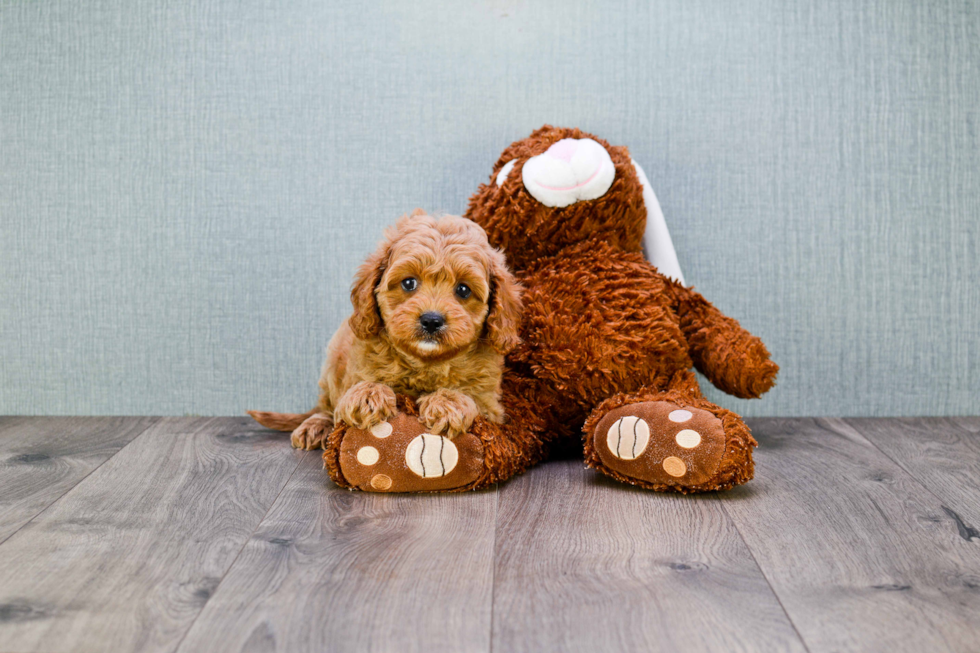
(212, 534)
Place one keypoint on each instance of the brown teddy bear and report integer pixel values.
(608, 343)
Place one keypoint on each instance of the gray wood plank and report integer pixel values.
(127, 558)
(584, 563)
(861, 555)
(334, 570)
(41, 458)
(943, 454)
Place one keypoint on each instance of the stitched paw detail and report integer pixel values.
(401, 456)
(661, 442)
(628, 437)
(431, 456)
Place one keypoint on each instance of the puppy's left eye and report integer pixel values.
(463, 291)
(410, 284)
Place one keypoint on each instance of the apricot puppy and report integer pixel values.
(435, 311)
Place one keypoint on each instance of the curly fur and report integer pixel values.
(527, 230)
(381, 349)
(602, 327)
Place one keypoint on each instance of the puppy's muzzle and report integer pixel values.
(431, 322)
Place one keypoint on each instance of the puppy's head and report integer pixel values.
(436, 287)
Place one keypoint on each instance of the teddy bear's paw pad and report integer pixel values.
(400, 456)
(661, 442)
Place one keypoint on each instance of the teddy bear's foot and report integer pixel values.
(662, 445)
(400, 456)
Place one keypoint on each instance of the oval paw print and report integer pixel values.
(431, 456)
(628, 437)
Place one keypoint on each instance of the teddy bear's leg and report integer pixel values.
(400, 456)
(669, 440)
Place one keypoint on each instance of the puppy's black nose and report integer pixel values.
(432, 321)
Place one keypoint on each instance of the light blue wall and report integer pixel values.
(186, 187)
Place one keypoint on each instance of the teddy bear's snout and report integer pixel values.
(570, 170)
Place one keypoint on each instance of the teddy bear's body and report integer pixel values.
(608, 342)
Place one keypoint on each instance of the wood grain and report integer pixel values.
(584, 563)
(861, 555)
(336, 570)
(126, 560)
(41, 458)
(204, 535)
(943, 454)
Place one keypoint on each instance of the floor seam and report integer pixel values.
(762, 571)
(154, 421)
(943, 503)
(248, 539)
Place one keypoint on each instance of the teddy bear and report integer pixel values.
(608, 343)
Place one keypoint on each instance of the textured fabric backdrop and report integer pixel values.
(187, 186)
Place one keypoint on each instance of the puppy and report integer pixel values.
(435, 310)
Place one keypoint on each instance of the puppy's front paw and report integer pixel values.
(447, 411)
(312, 433)
(365, 405)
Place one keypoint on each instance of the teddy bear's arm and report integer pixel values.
(730, 357)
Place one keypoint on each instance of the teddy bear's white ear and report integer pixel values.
(505, 172)
(657, 245)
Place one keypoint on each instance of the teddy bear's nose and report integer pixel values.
(563, 150)
(570, 171)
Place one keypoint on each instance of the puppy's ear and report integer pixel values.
(504, 318)
(366, 321)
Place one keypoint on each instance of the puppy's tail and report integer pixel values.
(279, 421)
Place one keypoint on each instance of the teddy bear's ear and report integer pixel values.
(657, 245)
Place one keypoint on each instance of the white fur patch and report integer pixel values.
(570, 171)
(425, 345)
(657, 245)
(505, 172)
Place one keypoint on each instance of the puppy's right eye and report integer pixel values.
(410, 284)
